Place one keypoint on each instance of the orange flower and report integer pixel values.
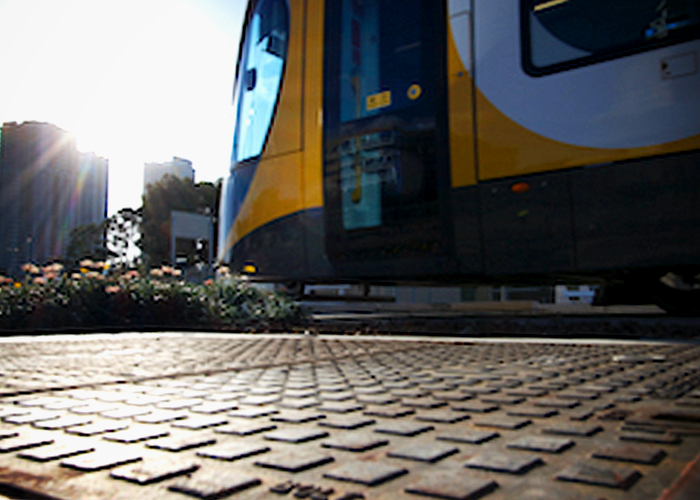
(209, 282)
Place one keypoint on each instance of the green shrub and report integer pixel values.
(95, 297)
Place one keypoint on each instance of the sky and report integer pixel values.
(135, 81)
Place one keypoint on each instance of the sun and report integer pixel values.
(134, 81)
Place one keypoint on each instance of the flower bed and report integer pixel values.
(95, 297)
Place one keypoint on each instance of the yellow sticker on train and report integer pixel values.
(378, 101)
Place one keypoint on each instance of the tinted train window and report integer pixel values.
(562, 34)
(380, 56)
(260, 73)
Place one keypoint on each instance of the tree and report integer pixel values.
(115, 238)
(168, 194)
(123, 232)
(87, 241)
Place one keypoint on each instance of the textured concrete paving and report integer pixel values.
(179, 416)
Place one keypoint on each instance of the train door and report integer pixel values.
(385, 160)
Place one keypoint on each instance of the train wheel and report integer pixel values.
(294, 289)
(678, 294)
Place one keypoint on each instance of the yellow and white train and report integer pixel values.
(468, 141)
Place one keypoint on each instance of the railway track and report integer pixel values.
(509, 319)
(187, 415)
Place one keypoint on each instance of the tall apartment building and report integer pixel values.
(178, 167)
(89, 200)
(47, 188)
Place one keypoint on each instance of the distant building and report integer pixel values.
(47, 188)
(178, 167)
(90, 195)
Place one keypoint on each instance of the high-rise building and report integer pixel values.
(89, 200)
(47, 189)
(178, 167)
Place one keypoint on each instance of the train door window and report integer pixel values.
(380, 56)
(260, 72)
(382, 96)
(563, 34)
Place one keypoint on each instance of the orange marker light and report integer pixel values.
(520, 187)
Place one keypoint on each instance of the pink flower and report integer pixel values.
(39, 280)
(209, 282)
(30, 268)
(112, 289)
(52, 270)
(133, 274)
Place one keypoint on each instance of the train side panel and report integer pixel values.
(270, 188)
(622, 108)
(464, 190)
(318, 265)
(586, 169)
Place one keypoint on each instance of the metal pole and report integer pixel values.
(211, 246)
(172, 241)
